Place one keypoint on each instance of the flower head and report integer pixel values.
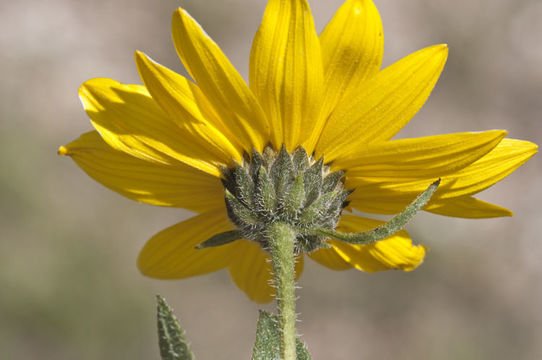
(174, 142)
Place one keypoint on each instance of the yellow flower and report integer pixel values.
(165, 142)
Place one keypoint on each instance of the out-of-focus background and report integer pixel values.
(69, 288)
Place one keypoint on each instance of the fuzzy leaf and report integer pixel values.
(388, 229)
(267, 346)
(173, 345)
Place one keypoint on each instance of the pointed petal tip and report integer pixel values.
(139, 54)
(179, 14)
(441, 50)
(497, 132)
(63, 150)
(141, 60)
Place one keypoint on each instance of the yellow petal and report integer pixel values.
(220, 82)
(130, 120)
(177, 185)
(171, 254)
(184, 102)
(252, 271)
(431, 156)
(388, 196)
(286, 73)
(467, 207)
(330, 258)
(394, 252)
(386, 103)
(352, 49)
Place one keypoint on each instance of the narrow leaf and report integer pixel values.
(221, 239)
(267, 346)
(301, 350)
(173, 345)
(395, 224)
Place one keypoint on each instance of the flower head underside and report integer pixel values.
(175, 142)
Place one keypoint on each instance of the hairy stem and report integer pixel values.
(281, 244)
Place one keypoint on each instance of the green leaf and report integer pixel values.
(395, 224)
(267, 346)
(301, 350)
(223, 238)
(173, 345)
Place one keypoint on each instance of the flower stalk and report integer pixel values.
(281, 246)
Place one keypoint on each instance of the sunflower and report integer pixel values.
(314, 105)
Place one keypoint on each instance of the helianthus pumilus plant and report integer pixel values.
(289, 155)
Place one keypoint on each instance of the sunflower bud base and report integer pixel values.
(293, 189)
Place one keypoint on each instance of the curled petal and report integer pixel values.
(467, 207)
(394, 252)
(129, 120)
(330, 258)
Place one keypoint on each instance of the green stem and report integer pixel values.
(281, 243)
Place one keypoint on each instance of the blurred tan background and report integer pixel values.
(69, 288)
